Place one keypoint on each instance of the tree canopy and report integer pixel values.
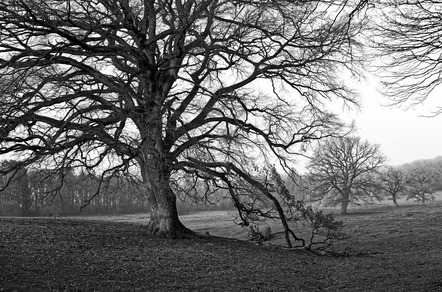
(171, 91)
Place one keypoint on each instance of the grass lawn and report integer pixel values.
(393, 249)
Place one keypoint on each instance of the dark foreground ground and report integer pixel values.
(393, 250)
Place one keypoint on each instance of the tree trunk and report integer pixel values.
(155, 165)
(344, 206)
(164, 221)
(345, 201)
(395, 201)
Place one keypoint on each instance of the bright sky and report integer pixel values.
(404, 135)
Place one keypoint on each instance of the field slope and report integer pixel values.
(394, 249)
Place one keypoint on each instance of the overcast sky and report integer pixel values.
(404, 136)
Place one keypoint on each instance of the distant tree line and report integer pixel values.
(46, 192)
(40, 192)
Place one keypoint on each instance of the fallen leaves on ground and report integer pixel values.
(392, 250)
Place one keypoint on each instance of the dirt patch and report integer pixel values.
(393, 249)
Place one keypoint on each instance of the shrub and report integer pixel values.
(322, 228)
(259, 233)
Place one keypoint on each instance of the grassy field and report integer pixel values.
(222, 223)
(393, 249)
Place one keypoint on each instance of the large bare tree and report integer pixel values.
(342, 169)
(178, 89)
(406, 42)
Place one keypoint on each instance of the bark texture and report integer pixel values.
(164, 220)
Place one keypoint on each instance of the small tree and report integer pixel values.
(422, 180)
(342, 169)
(392, 182)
